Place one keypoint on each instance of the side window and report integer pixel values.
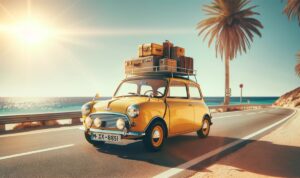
(177, 90)
(194, 92)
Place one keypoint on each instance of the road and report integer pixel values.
(63, 152)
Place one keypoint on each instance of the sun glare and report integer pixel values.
(32, 32)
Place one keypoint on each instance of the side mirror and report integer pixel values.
(97, 96)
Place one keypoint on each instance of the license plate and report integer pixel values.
(106, 137)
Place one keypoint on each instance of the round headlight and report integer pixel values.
(88, 122)
(133, 110)
(86, 109)
(97, 122)
(120, 124)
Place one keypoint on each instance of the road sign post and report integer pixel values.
(241, 97)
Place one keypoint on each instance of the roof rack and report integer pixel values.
(162, 70)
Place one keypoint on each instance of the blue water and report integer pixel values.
(26, 105)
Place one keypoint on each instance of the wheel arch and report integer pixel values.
(157, 118)
(208, 116)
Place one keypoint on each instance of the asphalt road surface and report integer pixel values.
(63, 152)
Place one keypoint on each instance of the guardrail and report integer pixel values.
(224, 108)
(76, 115)
(44, 117)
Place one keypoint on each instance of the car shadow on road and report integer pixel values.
(266, 159)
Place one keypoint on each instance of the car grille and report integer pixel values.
(108, 120)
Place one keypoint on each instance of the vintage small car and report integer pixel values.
(151, 108)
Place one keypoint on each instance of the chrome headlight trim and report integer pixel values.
(88, 122)
(120, 124)
(133, 110)
(86, 109)
(97, 122)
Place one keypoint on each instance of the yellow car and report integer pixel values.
(151, 108)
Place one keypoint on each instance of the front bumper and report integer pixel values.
(124, 134)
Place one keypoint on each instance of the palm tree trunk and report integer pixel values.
(227, 87)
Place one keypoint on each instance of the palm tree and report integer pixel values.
(292, 9)
(232, 26)
(297, 67)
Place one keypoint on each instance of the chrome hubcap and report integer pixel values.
(156, 134)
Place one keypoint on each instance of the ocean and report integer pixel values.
(28, 105)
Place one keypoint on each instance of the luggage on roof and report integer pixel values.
(150, 49)
(160, 58)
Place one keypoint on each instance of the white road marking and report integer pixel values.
(226, 116)
(251, 113)
(197, 160)
(36, 151)
(40, 131)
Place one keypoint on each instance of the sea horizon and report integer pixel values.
(36, 105)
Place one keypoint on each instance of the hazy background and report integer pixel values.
(101, 34)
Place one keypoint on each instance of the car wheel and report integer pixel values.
(204, 131)
(155, 136)
(95, 143)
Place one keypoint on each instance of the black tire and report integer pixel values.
(150, 142)
(95, 143)
(204, 131)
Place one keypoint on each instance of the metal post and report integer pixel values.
(241, 97)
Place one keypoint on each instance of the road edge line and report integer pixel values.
(173, 171)
(31, 132)
(36, 151)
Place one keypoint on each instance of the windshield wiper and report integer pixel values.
(131, 93)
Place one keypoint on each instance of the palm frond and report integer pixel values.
(292, 9)
(230, 25)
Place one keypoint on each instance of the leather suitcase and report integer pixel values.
(181, 64)
(167, 65)
(150, 49)
(189, 65)
(177, 52)
(142, 65)
(167, 46)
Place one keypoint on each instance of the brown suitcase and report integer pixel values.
(167, 65)
(189, 65)
(181, 64)
(150, 49)
(167, 46)
(177, 52)
(142, 65)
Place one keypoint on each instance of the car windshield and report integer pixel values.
(142, 87)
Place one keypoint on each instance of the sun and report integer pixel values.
(32, 31)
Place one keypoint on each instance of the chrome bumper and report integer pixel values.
(118, 132)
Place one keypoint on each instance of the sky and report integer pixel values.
(80, 46)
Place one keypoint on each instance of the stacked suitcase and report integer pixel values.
(155, 57)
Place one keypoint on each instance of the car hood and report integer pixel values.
(119, 105)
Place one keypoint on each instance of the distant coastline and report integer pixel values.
(30, 105)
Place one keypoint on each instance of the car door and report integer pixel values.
(197, 101)
(181, 111)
